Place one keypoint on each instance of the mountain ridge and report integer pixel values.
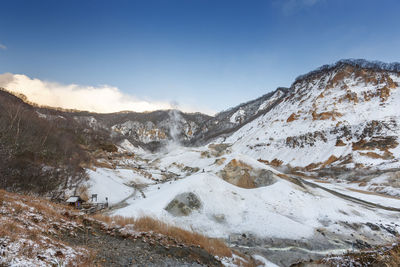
(148, 130)
(298, 173)
(360, 63)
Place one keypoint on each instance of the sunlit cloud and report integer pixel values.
(101, 99)
(3, 47)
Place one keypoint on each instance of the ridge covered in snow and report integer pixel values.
(300, 172)
(345, 116)
(360, 63)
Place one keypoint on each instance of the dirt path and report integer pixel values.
(347, 197)
(371, 193)
(113, 249)
(123, 203)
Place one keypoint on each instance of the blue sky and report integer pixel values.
(209, 54)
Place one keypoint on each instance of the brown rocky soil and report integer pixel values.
(143, 249)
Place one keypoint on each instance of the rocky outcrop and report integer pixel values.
(184, 204)
(243, 175)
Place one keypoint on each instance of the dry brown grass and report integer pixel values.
(104, 164)
(17, 224)
(394, 259)
(213, 246)
(18, 208)
(40, 205)
(43, 207)
(10, 228)
(34, 234)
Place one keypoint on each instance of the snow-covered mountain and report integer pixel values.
(344, 116)
(298, 173)
(226, 122)
(154, 129)
(332, 108)
(150, 130)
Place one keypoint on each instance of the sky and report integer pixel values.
(197, 55)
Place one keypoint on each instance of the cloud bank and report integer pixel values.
(101, 99)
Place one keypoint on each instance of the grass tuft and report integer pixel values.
(213, 246)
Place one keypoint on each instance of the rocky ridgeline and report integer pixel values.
(342, 114)
(347, 109)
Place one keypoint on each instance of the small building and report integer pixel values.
(75, 201)
(94, 198)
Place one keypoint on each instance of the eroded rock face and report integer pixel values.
(243, 175)
(216, 150)
(184, 204)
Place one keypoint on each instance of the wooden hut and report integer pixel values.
(75, 201)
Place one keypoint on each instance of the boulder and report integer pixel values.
(184, 204)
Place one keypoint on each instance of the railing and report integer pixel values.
(93, 207)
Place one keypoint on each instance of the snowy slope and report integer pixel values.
(288, 178)
(281, 210)
(226, 122)
(329, 113)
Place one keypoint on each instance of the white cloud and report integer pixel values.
(3, 47)
(101, 99)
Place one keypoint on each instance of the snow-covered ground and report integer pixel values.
(114, 184)
(319, 123)
(281, 210)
